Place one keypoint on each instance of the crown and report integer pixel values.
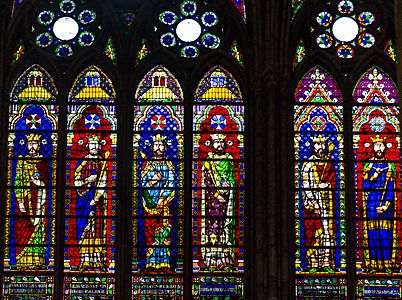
(33, 137)
(159, 138)
(218, 136)
(378, 139)
(94, 138)
(319, 139)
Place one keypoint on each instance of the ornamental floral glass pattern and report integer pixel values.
(345, 28)
(218, 187)
(158, 180)
(90, 197)
(63, 27)
(31, 186)
(319, 188)
(376, 145)
(190, 29)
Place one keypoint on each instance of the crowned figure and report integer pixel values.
(90, 178)
(158, 176)
(379, 200)
(31, 181)
(319, 182)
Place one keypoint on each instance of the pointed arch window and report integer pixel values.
(29, 251)
(90, 197)
(348, 226)
(158, 185)
(218, 187)
(129, 211)
(376, 147)
(319, 183)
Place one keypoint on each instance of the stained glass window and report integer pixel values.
(158, 181)
(183, 206)
(376, 145)
(90, 197)
(218, 188)
(360, 257)
(29, 253)
(320, 224)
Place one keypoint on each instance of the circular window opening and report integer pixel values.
(65, 28)
(345, 29)
(188, 30)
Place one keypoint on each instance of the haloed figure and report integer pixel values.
(379, 208)
(91, 179)
(32, 176)
(159, 179)
(319, 180)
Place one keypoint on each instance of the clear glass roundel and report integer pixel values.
(188, 30)
(65, 28)
(345, 29)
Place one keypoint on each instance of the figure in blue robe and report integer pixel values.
(91, 178)
(379, 209)
(158, 177)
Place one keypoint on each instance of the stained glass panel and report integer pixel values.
(390, 50)
(316, 86)
(236, 53)
(143, 51)
(110, 50)
(158, 181)
(31, 182)
(300, 54)
(218, 187)
(320, 225)
(89, 288)
(19, 52)
(28, 287)
(218, 288)
(376, 145)
(90, 198)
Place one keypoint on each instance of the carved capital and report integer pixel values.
(266, 80)
(271, 79)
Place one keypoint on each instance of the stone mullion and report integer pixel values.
(269, 163)
(398, 30)
(4, 100)
(3, 138)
